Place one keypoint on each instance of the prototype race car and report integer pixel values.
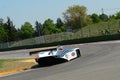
(55, 55)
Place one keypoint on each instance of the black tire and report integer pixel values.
(78, 53)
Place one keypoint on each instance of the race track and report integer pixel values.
(99, 61)
(15, 54)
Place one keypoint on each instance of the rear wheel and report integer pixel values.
(78, 53)
(48, 61)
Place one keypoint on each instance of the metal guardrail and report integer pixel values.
(90, 31)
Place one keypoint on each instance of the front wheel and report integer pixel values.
(78, 53)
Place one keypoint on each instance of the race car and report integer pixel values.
(55, 55)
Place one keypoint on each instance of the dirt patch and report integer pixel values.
(17, 66)
(28, 60)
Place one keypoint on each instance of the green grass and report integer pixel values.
(2, 61)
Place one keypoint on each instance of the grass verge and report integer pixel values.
(2, 61)
(8, 66)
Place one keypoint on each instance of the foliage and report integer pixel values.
(27, 30)
(3, 34)
(38, 28)
(19, 34)
(112, 17)
(95, 18)
(103, 17)
(59, 23)
(11, 30)
(49, 27)
(118, 15)
(1, 21)
(76, 17)
(63, 29)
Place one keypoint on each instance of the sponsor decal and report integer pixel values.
(64, 52)
(61, 51)
(37, 55)
(73, 54)
(66, 56)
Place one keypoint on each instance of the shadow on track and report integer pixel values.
(47, 63)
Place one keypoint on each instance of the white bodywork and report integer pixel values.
(70, 55)
(66, 54)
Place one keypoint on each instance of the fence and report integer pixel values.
(107, 28)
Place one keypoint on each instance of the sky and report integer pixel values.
(21, 11)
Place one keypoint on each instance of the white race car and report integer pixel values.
(55, 55)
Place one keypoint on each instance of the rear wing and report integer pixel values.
(36, 51)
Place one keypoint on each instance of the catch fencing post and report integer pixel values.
(119, 24)
(81, 33)
(89, 32)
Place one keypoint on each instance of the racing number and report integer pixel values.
(73, 54)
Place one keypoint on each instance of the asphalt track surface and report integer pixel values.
(15, 54)
(99, 61)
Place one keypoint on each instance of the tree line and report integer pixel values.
(8, 32)
(75, 17)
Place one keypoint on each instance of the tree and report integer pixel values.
(76, 17)
(103, 17)
(3, 34)
(19, 34)
(59, 23)
(27, 30)
(1, 21)
(112, 17)
(95, 18)
(11, 30)
(38, 29)
(118, 15)
(49, 27)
